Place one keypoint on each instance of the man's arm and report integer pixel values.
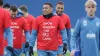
(64, 36)
(32, 41)
(9, 36)
(33, 37)
(75, 34)
(68, 28)
(27, 34)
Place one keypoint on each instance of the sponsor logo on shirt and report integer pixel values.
(97, 24)
(14, 25)
(46, 38)
(85, 23)
(46, 30)
(47, 23)
(92, 35)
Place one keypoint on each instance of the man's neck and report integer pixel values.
(91, 16)
(26, 14)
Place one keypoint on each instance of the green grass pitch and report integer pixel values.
(35, 54)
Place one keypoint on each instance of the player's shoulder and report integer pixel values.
(31, 16)
(39, 17)
(56, 16)
(97, 19)
(66, 16)
(2, 10)
(22, 18)
(82, 18)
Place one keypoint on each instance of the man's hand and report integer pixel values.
(10, 49)
(64, 48)
(26, 44)
(31, 52)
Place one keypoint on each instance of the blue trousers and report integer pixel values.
(47, 52)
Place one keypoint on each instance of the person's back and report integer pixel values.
(5, 24)
(4, 15)
(30, 19)
(2, 12)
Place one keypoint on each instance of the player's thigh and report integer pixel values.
(60, 50)
(42, 52)
(7, 52)
(53, 53)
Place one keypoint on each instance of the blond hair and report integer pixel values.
(90, 2)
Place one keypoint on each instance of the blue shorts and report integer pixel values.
(18, 52)
(60, 50)
(7, 52)
(47, 53)
(77, 53)
(25, 50)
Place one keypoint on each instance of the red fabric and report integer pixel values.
(30, 19)
(18, 26)
(5, 42)
(48, 32)
(66, 20)
(5, 22)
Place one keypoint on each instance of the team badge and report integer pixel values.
(85, 23)
(97, 24)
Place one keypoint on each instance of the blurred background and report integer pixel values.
(74, 8)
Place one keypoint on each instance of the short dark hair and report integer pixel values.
(6, 5)
(60, 2)
(1, 2)
(48, 3)
(23, 8)
(14, 8)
